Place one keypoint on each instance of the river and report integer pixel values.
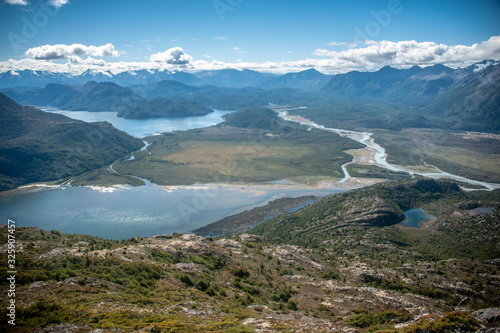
(380, 156)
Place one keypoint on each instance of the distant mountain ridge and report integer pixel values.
(415, 84)
(224, 78)
(105, 96)
(309, 79)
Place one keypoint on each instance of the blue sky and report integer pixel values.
(269, 35)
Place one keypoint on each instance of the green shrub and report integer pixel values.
(458, 321)
(240, 273)
(186, 280)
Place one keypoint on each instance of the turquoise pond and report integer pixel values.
(415, 216)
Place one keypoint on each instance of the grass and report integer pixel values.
(444, 149)
(372, 171)
(103, 177)
(228, 154)
(457, 152)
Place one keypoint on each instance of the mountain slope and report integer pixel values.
(308, 80)
(38, 146)
(463, 99)
(164, 107)
(475, 104)
(232, 78)
(415, 85)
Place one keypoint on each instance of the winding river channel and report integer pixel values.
(379, 154)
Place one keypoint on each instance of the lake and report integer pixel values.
(415, 216)
(135, 211)
(138, 211)
(145, 127)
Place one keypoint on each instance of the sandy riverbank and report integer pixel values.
(29, 188)
(259, 189)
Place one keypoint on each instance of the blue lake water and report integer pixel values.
(481, 210)
(415, 216)
(136, 211)
(145, 127)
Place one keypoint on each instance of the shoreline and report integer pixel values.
(257, 188)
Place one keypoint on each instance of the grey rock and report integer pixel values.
(54, 253)
(489, 315)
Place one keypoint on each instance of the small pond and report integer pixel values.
(415, 216)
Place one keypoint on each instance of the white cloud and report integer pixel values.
(408, 53)
(17, 2)
(220, 38)
(61, 51)
(58, 3)
(74, 59)
(337, 43)
(173, 56)
(95, 62)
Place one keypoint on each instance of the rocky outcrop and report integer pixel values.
(87, 282)
(228, 243)
(178, 244)
(371, 211)
(53, 253)
(251, 238)
(69, 328)
(190, 267)
(489, 316)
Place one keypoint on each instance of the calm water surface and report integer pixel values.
(145, 127)
(415, 216)
(135, 211)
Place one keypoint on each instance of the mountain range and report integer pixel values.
(224, 78)
(464, 98)
(309, 79)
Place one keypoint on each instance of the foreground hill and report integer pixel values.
(39, 146)
(372, 276)
(376, 206)
(105, 96)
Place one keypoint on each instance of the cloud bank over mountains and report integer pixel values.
(370, 56)
(406, 53)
